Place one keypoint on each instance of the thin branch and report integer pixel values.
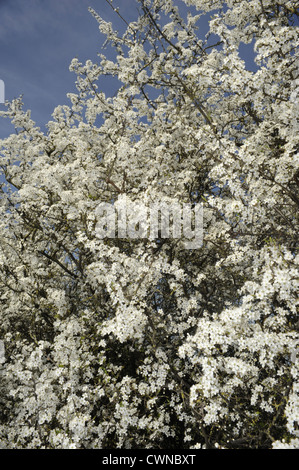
(153, 21)
(55, 260)
(116, 10)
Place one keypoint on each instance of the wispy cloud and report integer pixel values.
(29, 17)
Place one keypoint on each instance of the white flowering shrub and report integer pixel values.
(140, 343)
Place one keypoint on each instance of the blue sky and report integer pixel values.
(38, 40)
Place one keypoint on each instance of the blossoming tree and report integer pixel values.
(140, 342)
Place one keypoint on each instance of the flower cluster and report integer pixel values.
(142, 343)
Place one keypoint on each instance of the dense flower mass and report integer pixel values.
(140, 342)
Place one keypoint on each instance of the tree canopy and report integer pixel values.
(123, 342)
